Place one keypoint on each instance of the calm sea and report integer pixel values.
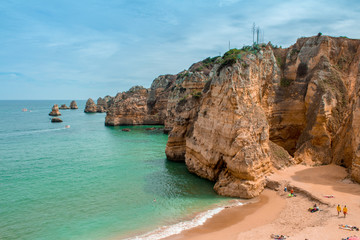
(90, 181)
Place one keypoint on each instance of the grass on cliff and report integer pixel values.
(233, 55)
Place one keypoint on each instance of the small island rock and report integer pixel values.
(90, 106)
(126, 130)
(63, 106)
(56, 119)
(73, 105)
(55, 111)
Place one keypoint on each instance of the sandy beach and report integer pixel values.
(276, 213)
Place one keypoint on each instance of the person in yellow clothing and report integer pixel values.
(345, 211)
(338, 208)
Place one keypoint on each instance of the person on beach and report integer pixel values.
(338, 208)
(345, 211)
(285, 189)
(292, 192)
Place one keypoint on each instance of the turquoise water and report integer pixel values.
(88, 181)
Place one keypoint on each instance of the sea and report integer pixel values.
(91, 181)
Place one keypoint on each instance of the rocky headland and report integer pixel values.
(235, 119)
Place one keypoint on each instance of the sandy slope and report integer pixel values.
(275, 213)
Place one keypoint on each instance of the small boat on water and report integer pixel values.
(67, 126)
(24, 109)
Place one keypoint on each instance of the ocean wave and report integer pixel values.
(22, 133)
(198, 220)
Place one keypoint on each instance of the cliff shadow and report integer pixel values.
(329, 175)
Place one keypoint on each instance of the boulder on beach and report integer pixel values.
(55, 111)
(73, 105)
(63, 106)
(90, 106)
(56, 119)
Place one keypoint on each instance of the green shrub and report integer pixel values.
(196, 95)
(182, 101)
(280, 62)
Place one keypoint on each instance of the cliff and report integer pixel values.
(234, 119)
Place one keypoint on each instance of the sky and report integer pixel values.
(66, 49)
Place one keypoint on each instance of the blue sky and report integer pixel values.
(66, 49)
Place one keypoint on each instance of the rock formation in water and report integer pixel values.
(140, 106)
(236, 118)
(63, 106)
(73, 105)
(103, 103)
(56, 119)
(55, 111)
(90, 106)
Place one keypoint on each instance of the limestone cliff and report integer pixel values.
(141, 106)
(234, 119)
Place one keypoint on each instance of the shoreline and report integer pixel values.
(195, 220)
(273, 212)
(240, 218)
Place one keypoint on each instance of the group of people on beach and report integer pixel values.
(344, 210)
(291, 194)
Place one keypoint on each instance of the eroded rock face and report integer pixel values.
(230, 140)
(90, 106)
(182, 109)
(234, 120)
(55, 111)
(73, 105)
(304, 99)
(141, 106)
(130, 108)
(103, 103)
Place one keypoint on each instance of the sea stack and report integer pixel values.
(56, 119)
(90, 106)
(63, 106)
(73, 105)
(55, 111)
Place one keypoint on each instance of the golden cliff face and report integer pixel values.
(229, 142)
(234, 119)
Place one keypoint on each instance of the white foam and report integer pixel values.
(198, 220)
(21, 133)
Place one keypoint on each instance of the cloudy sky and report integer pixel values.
(67, 49)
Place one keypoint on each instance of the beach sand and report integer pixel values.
(276, 213)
